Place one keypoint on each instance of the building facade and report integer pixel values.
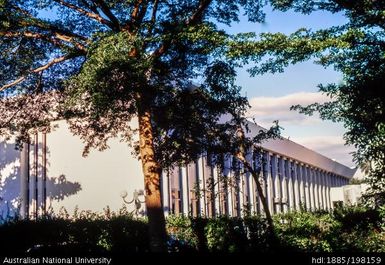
(50, 175)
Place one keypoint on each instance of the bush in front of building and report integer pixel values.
(362, 229)
(305, 231)
(353, 229)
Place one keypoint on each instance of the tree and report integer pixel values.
(357, 50)
(101, 63)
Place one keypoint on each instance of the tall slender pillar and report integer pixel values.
(270, 183)
(305, 178)
(283, 184)
(289, 175)
(311, 187)
(201, 185)
(24, 181)
(229, 176)
(295, 185)
(44, 173)
(35, 195)
(184, 190)
(321, 184)
(316, 191)
(322, 193)
(216, 179)
(165, 184)
(276, 184)
(300, 174)
(328, 185)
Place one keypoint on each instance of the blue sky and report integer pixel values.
(271, 95)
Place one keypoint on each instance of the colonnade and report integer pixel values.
(201, 189)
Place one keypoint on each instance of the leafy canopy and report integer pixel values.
(97, 63)
(357, 50)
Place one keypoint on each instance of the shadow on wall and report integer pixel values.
(9, 180)
(58, 188)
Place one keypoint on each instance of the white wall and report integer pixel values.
(92, 182)
(9, 178)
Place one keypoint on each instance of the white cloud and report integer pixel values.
(267, 109)
(330, 146)
(309, 131)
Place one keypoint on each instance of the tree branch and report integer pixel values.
(154, 11)
(135, 11)
(195, 18)
(107, 11)
(85, 12)
(198, 14)
(153, 16)
(63, 34)
(55, 40)
(38, 70)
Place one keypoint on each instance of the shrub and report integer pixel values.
(225, 235)
(258, 234)
(305, 231)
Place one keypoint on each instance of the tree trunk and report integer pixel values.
(260, 194)
(259, 189)
(152, 174)
(273, 237)
(241, 155)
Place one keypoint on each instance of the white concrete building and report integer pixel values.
(51, 173)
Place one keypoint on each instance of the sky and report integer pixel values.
(271, 95)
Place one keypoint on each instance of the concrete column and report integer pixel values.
(318, 195)
(165, 184)
(201, 185)
(184, 190)
(283, 181)
(192, 181)
(276, 184)
(296, 186)
(328, 186)
(289, 175)
(216, 177)
(311, 187)
(315, 188)
(35, 182)
(24, 181)
(44, 173)
(209, 194)
(324, 190)
(229, 176)
(270, 183)
(321, 183)
(253, 199)
(305, 178)
(302, 197)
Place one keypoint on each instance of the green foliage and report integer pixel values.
(258, 234)
(305, 231)
(357, 50)
(225, 235)
(182, 231)
(352, 229)
(96, 235)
